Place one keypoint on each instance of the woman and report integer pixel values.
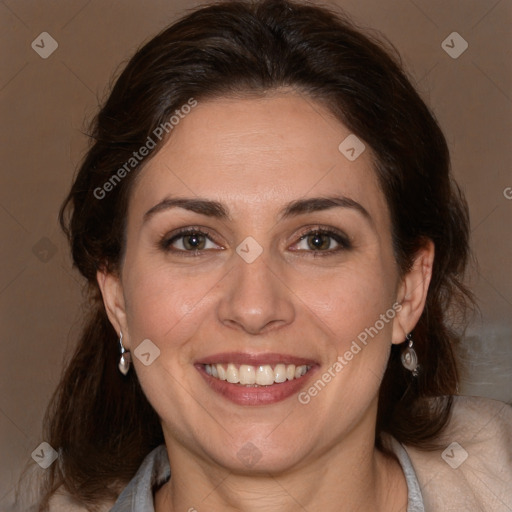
(274, 248)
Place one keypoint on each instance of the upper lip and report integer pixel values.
(255, 359)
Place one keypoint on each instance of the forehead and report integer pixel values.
(259, 153)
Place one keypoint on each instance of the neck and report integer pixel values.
(346, 478)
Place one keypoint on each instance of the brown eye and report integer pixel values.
(188, 240)
(194, 241)
(319, 241)
(323, 242)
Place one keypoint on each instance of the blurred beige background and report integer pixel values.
(45, 105)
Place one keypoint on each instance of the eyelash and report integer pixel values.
(339, 237)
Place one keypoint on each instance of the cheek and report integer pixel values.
(162, 301)
(356, 306)
(351, 298)
(167, 306)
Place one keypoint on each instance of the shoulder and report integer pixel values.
(153, 471)
(62, 502)
(473, 468)
(28, 495)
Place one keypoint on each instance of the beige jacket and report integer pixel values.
(473, 473)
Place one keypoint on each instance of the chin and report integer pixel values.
(259, 453)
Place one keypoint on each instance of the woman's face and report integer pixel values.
(255, 286)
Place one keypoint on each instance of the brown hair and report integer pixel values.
(101, 421)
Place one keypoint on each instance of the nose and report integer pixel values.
(255, 298)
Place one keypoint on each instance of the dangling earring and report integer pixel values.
(125, 359)
(410, 358)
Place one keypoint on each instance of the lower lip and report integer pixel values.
(262, 395)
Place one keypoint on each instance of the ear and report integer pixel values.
(412, 292)
(113, 298)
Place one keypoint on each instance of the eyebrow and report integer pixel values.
(294, 208)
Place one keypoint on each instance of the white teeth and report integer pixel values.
(220, 370)
(232, 374)
(246, 374)
(300, 371)
(263, 375)
(280, 373)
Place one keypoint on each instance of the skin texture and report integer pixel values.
(255, 155)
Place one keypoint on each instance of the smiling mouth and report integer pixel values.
(256, 375)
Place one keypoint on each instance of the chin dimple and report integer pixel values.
(259, 375)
